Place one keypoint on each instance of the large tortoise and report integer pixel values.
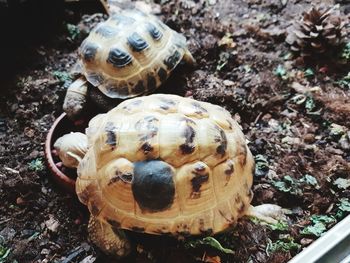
(130, 54)
(163, 164)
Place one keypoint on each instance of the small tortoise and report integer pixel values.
(130, 54)
(163, 164)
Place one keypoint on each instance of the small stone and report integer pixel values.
(344, 143)
(228, 83)
(52, 224)
(8, 233)
(212, 2)
(309, 138)
(88, 259)
(44, 190)
(20, 201)
(45, 251)
(306, 241)
(29, 132)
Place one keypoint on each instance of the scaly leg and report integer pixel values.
(267, 212)
(111, 241)
(188, 58)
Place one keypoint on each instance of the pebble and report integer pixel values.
(45, 251)
(228, 83)
(8, 233)
(306, 241)
(309, 138)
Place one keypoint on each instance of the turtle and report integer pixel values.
(165, 165)
(130, 54)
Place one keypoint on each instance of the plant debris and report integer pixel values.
(294, 113)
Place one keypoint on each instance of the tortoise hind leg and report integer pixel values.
(110, 240)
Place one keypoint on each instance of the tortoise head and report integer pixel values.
(71, 148)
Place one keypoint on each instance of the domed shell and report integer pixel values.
(130, 54)
(164, 164)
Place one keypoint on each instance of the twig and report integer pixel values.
(11, 170)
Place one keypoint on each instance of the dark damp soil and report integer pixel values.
(296, 118)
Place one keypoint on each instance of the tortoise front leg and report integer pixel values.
(188, 59)
(111, 241)
(75, 99)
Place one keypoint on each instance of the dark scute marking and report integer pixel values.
(163, 106)
(153, 185)
(95, 79)
(189, 134)
(162, 73)
(148, 127)
(240, 203)
(94, 209)
(230, 169)
(123, 20)
(154, 31)
(133, 103)
(172, 60)
(138, 229)
(222, 139)
(146, 147)
(118, 58)
(243, 154)
(89, 51)
(106, 31)
(206, 232)
(198, 180)
(187, 149)
(198, 108)
(188, 120)
(137, 43)
(151, 83)
(125, 177)
(110, 129)
(166, 104)
(139, 87)
(170, 102)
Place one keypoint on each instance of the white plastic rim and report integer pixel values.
(317, 250)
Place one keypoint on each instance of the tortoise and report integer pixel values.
(130, 54)
(165, 165)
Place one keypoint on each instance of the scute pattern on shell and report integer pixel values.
(210, 165)
(130, 49)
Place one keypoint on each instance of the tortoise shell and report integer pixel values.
(163, 164)
(130, 54)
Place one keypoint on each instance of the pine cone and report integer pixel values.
(318, 32)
